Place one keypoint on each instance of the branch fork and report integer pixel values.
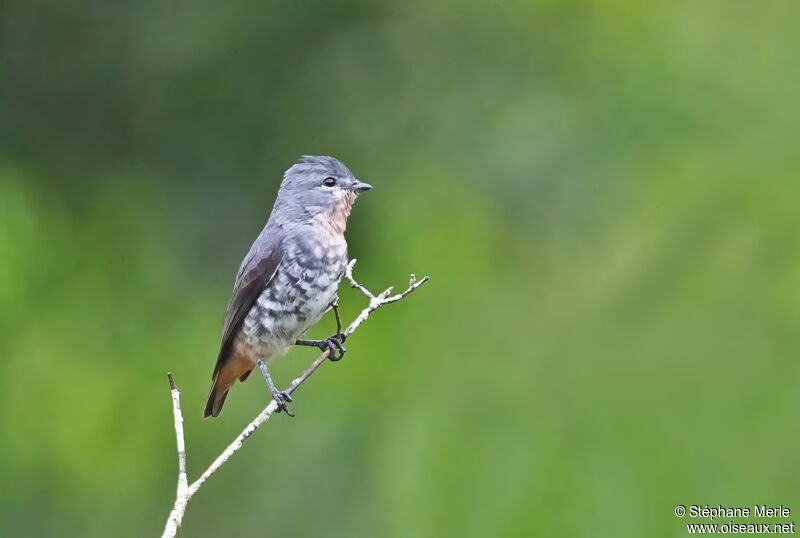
(186, 491)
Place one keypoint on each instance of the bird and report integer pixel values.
(290, 277)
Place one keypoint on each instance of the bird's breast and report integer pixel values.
(298, 295)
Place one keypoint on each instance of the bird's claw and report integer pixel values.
(334, 346)
(282, 398)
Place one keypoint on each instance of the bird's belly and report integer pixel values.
(290, 305)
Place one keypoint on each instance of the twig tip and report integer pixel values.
(171, 381)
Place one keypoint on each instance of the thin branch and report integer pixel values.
(348, 274)
(174, 519)
(187, 491)
(380, 300)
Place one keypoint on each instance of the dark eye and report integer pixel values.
(329, 182)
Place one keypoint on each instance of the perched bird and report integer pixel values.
(290, 277)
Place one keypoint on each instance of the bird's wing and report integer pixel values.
(256, 272)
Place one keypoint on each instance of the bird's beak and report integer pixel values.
(360, 186)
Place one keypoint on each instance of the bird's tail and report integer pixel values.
(216, 398)
(224, 378)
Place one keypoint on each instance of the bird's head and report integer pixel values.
(319, 187)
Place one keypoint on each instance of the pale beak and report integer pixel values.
(360, 186)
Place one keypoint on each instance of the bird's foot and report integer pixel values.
(335, 347)
(282, 398)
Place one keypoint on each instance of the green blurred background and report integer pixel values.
(605, 195)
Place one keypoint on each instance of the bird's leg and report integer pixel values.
(339, 334)
(333, 344)
(281, 398)
(337, 339)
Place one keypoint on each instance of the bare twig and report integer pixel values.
(186, 490)
(181, 498)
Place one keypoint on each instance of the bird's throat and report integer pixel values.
(336, 216)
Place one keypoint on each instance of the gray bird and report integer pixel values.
(290, 277)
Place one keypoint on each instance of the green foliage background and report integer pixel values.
(605, 195)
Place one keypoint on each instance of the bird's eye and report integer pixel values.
(329, 182)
